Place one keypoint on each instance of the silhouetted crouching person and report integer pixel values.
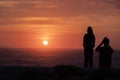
(88, 43)
(105, 55)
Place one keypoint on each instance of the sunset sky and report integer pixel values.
(26, 23)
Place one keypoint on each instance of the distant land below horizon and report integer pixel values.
(49, 57)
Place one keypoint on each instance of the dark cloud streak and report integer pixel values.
(115, 3)
(65, 9)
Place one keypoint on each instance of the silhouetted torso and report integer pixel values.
(89, 41)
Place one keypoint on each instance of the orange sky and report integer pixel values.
(25, 24)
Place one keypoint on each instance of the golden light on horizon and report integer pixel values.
(45, 42)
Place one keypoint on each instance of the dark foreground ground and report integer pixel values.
(58, 73)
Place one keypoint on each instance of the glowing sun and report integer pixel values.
(45, 42)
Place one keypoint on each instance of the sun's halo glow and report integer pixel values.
(45, 42)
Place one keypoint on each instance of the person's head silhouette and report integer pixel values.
(89, 30)
(106, 41)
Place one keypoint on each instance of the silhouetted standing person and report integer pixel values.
(105, 55)
(88, 43)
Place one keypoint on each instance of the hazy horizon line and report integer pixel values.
(49, 48)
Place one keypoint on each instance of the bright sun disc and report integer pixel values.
(45, 42)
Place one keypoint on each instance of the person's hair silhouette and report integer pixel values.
(105, 55)
(88, 44)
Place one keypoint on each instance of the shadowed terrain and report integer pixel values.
(60, 72)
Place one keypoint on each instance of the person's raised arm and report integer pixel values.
(99, 46)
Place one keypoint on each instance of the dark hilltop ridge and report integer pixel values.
(59, 72)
